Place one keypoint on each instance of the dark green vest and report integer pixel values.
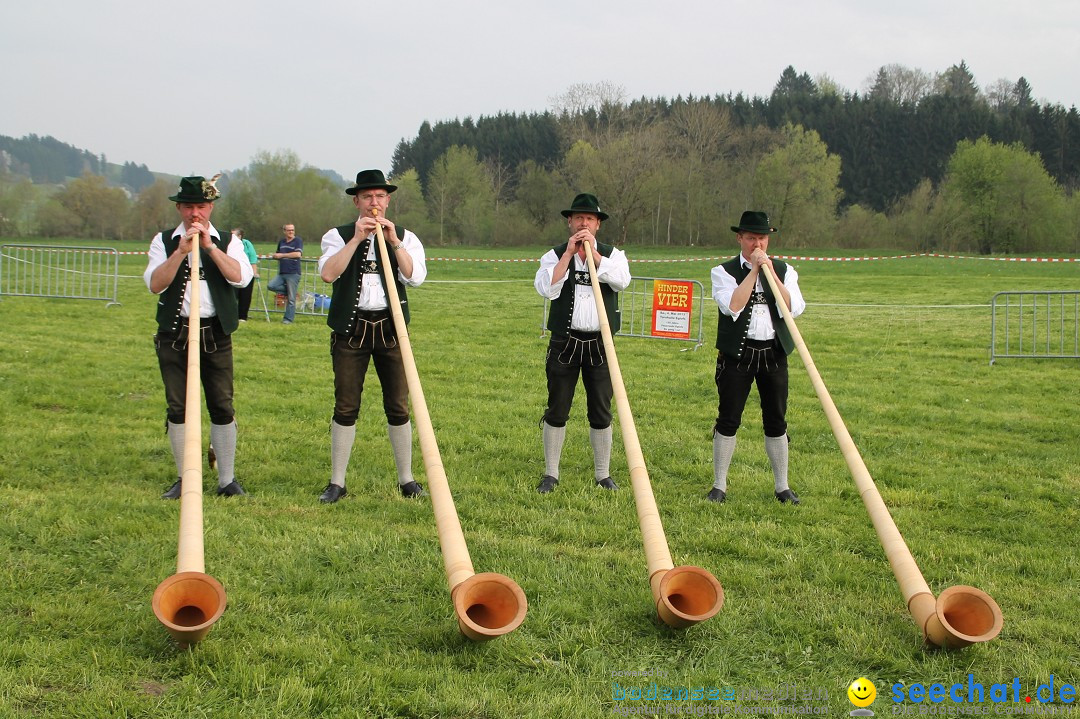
(562, 307)
(221, 292)
(346, 296)
(730, 333)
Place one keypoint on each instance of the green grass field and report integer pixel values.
(343, 610)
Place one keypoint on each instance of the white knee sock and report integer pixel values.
(401, 443)
(723, 447)
(600, 439)
(341, 442)
(777, 449)
(176, 441)
(223, 437)
(553, 442)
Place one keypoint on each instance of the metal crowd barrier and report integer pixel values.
(60, 271)
(636, 307)
(312, 295)
(1036, 324)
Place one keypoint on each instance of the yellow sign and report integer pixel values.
(673, 304)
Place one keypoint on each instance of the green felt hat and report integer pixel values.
(756, 222)
(585, 203)
(197, 189)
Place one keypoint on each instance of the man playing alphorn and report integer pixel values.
(222, 268)
(363, 330)
(753, 345)
(576, 346)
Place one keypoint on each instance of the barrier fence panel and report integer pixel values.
(312, 295)
(60, 271)
(1037, 324)
(637, 304)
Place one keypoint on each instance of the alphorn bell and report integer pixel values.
(961, 615)
(684, 595)
(487, 605)
(190, 601)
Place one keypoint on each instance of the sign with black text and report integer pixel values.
(673, 304)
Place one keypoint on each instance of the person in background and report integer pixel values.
(222, 268)
(576, 347)
(362, 330)
(244, 293)
(753, 345)
(290, 249)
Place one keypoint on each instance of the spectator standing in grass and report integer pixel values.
(244, 293)
(290, 249)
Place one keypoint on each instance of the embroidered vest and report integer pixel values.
(731, 333)
(346, 295)
(221, 292)
(562, 307)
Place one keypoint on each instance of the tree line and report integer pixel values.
(677, 171)
(917, 161)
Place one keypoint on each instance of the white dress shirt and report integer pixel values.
(372, 295)
(235, 249)
(613, 271)
(761, 325)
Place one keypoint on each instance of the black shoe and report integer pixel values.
(411, 489)
(173, 492)
(787, 496)
(232, 489)
(716, 495)
(332, 493)
(606, 483)
(547, 483)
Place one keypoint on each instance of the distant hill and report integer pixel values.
(334, 177)
(48, 161)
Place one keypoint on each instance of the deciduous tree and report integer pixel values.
(460, 198)
(798, 184)
(1002, 199)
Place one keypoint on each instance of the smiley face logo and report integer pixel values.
(862, 692)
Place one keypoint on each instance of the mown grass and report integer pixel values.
(343, 610)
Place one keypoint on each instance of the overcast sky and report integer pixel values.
(340, 82)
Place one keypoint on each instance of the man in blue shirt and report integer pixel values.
(290, 249)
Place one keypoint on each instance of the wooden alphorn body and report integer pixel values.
(190, 601)
(487, 605)
(683, 595)
(961, 615)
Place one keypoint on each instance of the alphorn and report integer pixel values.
(190, 601)
(684, 595)
(489, 604)
(961, 615)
